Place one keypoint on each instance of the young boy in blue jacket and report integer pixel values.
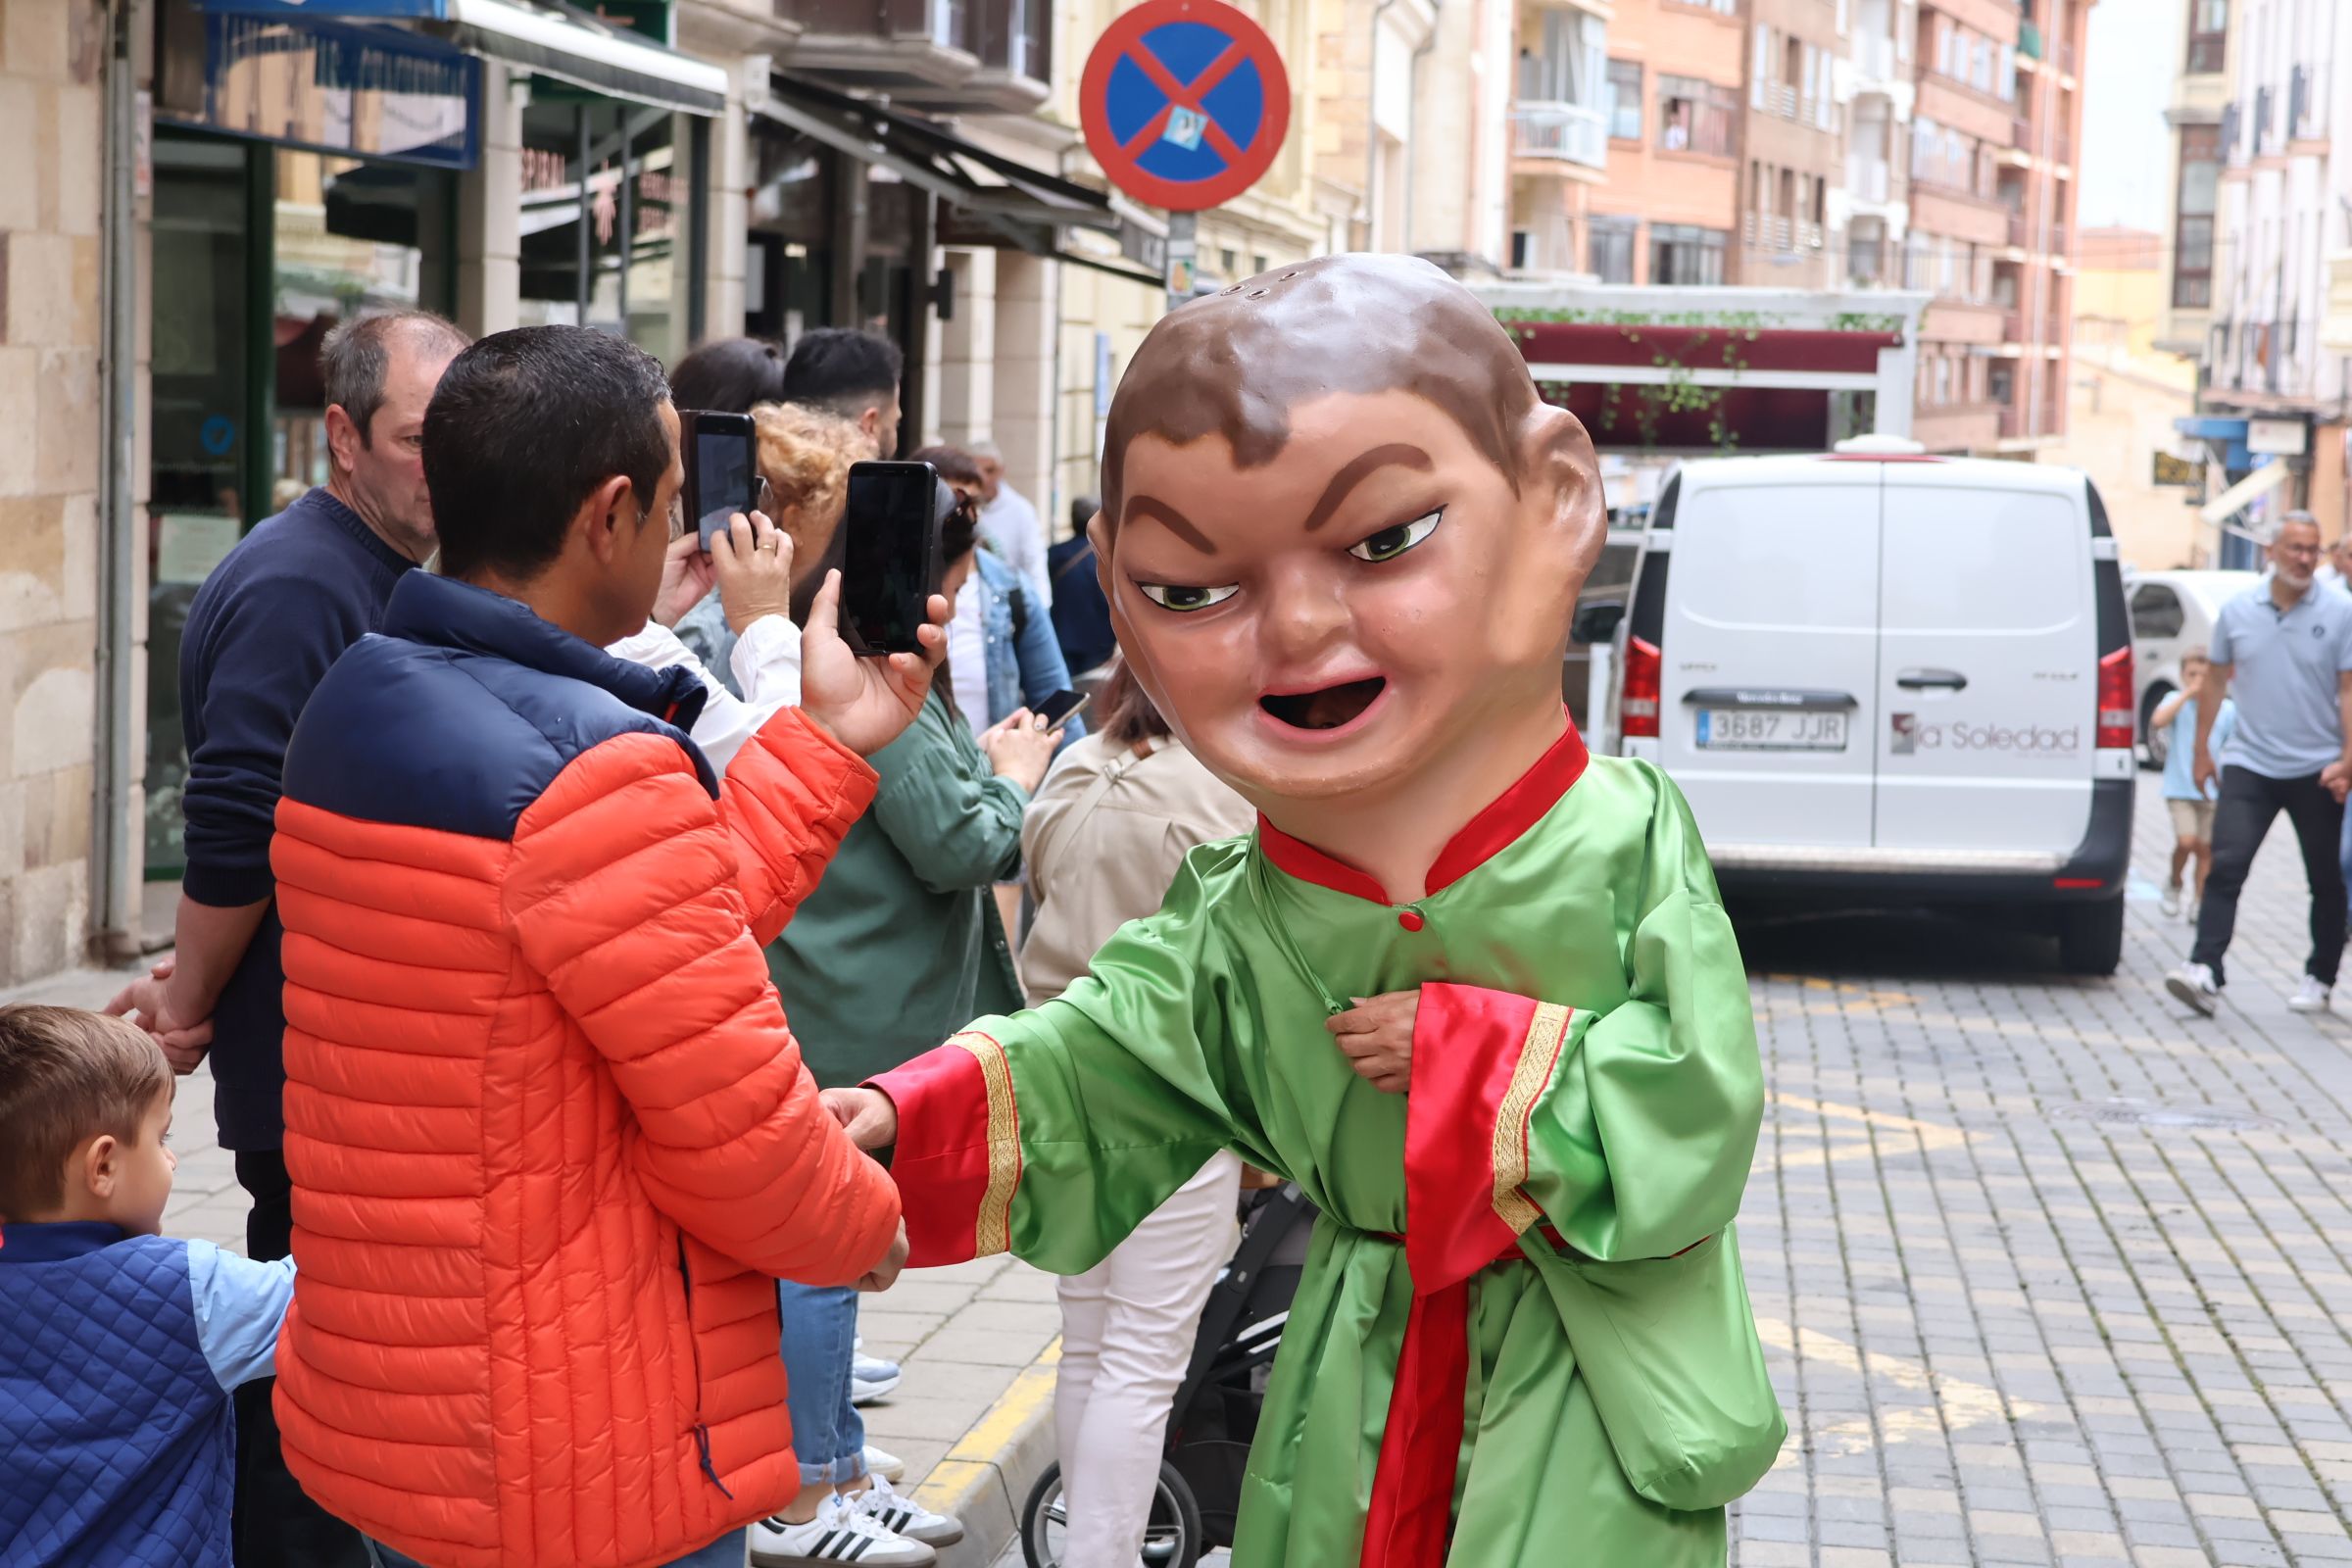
(117, 1347)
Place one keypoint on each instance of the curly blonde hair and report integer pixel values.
(804, 454)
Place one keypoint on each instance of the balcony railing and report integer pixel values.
(1567, 131)
(2017, 230)
(2057, 240)
(1808, 236)
(2013, 327)
(2063, 146)
(1781, 99)
(2013, 423)
(2021, 133)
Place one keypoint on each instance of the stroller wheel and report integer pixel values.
(1172, 1536)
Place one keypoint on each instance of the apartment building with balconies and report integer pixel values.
(2194, 113)
(1992, 182)
(1793, 144)
(1561, 105)
(2274, 288)
(1666, 207)
(1874, 83)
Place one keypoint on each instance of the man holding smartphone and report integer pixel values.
(550, 1132)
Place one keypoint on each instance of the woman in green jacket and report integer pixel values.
(899, 947)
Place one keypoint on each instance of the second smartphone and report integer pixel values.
(891, 563)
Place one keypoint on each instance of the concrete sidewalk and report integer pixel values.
(973, 1417)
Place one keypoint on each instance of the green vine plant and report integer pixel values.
(1680, 392)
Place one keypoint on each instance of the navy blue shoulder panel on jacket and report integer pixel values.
(463, 710)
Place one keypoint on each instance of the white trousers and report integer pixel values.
(1127, 1328)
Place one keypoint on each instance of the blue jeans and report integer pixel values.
(724, 1552)
(819, 1337)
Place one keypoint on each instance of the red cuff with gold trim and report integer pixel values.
(958, 1153)
(1481, 1059)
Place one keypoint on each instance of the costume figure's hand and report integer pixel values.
(1376, 1035)
(865, 1114)
(752, 559)
(886, 1273)
(866, 703)
(2336, 779)
(686, 576)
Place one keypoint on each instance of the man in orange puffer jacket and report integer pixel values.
(549, 1134)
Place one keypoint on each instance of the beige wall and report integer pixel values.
(2122, 399)
(50, 53)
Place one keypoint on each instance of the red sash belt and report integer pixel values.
(1413, 1488)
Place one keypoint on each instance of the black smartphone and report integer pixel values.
(722, 469)
(1060, 707)
(891, 563)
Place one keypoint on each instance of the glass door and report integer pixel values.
(201, 477)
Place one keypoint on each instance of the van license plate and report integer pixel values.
(1756, 729)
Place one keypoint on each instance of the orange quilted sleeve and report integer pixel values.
(791, 774)
(626, 891)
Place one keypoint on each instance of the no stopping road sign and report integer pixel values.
(1184, 103)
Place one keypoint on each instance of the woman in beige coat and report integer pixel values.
(1103, 840)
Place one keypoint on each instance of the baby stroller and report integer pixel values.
(1216, 1407)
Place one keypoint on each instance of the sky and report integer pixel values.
(2134, 50)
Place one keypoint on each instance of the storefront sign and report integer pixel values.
(362, 91)
(2278, 438)
(2179, 471)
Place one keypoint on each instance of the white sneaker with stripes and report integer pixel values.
(842, 1532)
(903, 1516)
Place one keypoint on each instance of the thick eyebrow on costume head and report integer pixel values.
(1176, 521)
(1396, 452)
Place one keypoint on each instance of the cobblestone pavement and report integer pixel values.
(2049, 1271)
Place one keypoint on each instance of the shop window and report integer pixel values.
(259, 251)
(604, 211)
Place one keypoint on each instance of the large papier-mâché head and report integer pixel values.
(1340, 530)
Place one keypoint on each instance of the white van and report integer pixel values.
(1885, 677)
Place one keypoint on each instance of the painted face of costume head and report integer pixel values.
(1341, 532)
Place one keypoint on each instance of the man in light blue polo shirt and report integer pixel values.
(2283, 649)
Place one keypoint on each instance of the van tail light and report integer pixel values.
(1638, 703)
(2115, 701)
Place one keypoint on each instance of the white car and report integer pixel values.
(2174, 611)
(1889, 677)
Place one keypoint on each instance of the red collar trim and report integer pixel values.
(1486, 835)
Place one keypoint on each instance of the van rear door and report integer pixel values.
(1768, 694)
(1988, 666)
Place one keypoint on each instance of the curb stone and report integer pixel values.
(986, 1477)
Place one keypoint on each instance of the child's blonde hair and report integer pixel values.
(66, 1075)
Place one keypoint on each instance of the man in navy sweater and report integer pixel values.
(265, 627)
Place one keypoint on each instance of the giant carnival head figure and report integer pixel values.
(1341, 534)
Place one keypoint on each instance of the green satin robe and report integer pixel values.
(1201, 1028)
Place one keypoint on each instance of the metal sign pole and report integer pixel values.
(1181, 248)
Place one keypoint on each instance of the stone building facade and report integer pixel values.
(50, 53)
